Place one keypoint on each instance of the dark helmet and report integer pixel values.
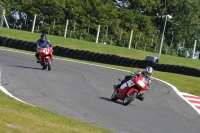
(43, 36)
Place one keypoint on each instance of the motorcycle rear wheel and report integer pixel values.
(114, 96)
(130, 98)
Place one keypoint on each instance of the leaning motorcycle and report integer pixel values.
(130, 90)
(45, 57)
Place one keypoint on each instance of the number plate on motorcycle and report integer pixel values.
(46, 51)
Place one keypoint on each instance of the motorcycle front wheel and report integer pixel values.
(49, 64)
(44, 67)
(130, 98)
(114, 96)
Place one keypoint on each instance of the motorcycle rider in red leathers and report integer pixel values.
(147, 72)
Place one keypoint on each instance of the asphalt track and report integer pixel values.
(83, 92)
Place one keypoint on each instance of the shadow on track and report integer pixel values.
(108, 99)
(118, 102)
(25, 67)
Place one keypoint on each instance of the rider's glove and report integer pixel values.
(150, 81)
(139, 72)
(149, 85)
(133, 74)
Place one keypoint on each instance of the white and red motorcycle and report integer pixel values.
(130, 90)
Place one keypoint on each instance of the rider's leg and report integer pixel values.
(128, 77)
(37, 55)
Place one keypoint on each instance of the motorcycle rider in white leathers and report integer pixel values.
(147, 72)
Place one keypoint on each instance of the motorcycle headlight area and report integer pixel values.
(141, 83)
(46, 51)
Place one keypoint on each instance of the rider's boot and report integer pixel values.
(36, 55)
(140, 97)
(37, 60)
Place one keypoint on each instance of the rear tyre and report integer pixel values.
(129, 98)
(114, 96)
(49, 64)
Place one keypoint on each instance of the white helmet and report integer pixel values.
(148, 71)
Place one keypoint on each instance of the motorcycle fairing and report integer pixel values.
(131, 90)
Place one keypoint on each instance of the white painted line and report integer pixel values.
(6, 92)
(9, 94)
(194, 99)
(181, 95)
(196, 104)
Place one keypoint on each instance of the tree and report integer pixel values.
(117, 18)
(186, 22)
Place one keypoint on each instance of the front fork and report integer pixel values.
(140, 93)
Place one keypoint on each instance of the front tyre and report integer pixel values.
(114, 96)
(49, 64)
(130, 98)
(44, 64)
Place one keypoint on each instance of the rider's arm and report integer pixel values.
(49, 43)
(136, 73)
(37, 44)
(149, 83)
(149, 87)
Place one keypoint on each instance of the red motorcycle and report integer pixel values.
(45, 57)
(130, 90)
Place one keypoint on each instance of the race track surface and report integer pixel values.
(83, 92)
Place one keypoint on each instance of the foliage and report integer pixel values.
(116, 17)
